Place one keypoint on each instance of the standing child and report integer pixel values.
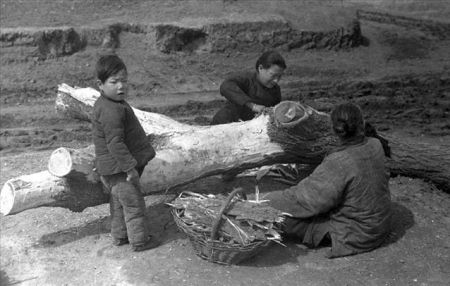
(122, 150)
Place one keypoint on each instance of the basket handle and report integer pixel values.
(225, 205)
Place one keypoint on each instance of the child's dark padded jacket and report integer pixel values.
(120, 141)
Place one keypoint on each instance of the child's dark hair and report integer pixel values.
(347, 121)
(270, 58)
(108, 65)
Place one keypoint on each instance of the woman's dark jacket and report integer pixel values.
(350, 187)
(120, 141)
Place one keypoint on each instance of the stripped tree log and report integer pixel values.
(78, 102)
(410, 157)
(292, 133)
(75, 192)
(415, 159)
(184, 153)
(67, 160)
(289, 133)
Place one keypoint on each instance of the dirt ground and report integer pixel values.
(400, 77)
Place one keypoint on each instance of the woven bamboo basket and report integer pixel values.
(213, 250)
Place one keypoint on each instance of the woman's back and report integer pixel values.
(365, 206)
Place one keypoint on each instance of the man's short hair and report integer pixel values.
(270, 58)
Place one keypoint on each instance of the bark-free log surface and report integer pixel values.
(75, 192)
(64, 161)
(185, 153)
(289, 133)
(409, 157)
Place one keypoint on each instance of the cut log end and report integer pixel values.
(289, 113)
(289, 133)
(303, 133)
(6, 199)
(60, 164)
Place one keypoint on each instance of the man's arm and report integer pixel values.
(235, 89)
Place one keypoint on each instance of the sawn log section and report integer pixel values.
(290, 132)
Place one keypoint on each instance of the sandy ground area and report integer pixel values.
(401, 79)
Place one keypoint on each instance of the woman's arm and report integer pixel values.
(318, 193)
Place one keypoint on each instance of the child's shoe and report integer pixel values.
(149, 244)
(120, 241)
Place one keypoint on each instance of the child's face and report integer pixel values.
(115, 87)
(271, 76)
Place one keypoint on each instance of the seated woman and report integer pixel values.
(248, 93)
(346, 200)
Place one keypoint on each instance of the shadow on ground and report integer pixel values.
(160, 224)
(402, 220)
(6, 281)
(276, 255)
(72, 234)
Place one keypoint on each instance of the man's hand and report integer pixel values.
(256, 108)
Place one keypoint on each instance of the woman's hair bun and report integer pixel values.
(347, 120)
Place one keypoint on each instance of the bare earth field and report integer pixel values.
(400, 76)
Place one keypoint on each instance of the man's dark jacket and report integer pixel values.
(243, 88)
(120, 141)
